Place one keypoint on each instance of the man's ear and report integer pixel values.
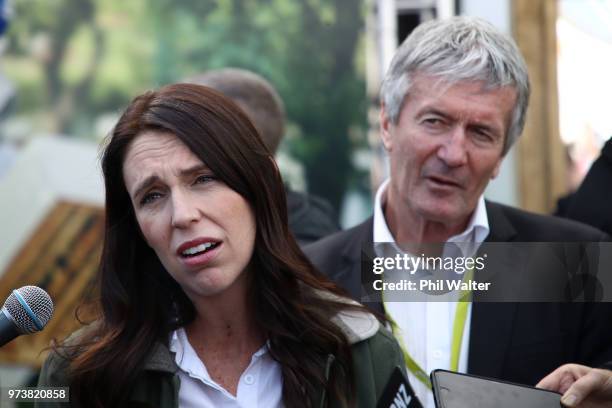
(385, 128)
(495, 172)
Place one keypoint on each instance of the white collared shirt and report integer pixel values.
(260, 385)
(426, 328)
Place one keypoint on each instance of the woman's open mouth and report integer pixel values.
(198, 252)
(199, 249)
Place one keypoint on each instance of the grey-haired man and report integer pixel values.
(453, 103)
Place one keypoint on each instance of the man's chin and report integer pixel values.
(444, 214)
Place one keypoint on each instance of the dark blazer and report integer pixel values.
(310, 217)
(592, 202)
(520, 342)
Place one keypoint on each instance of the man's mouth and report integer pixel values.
(444, 181)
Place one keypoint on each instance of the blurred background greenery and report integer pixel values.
(77, 63)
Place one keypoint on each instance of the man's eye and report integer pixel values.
(482, 135)
(149, 198)
(432, 121)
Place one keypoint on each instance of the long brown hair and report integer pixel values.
(140, 303)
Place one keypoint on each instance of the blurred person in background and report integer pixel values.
(591, 203)
(205, 297)
(310, 217)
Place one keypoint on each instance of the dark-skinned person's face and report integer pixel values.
(447, 144)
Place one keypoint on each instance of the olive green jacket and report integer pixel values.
(375, 356)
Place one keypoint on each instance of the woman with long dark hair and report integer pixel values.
(205, 298)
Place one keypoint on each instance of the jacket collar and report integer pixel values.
(501, 229)
(356, 253)
(359, 237)
(161, 359)
(606, 151)
(355, 324)
(489, 340)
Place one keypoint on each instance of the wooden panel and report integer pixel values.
(540, 151)
(61, 257)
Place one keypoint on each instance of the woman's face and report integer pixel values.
(202, 231)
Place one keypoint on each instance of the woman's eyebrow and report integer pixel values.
(194, 169)
(152, 179)
(146, 183)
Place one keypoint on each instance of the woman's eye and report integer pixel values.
(149, 198)
(204, 179)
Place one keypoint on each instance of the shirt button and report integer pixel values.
(437, 354)
(249, 379)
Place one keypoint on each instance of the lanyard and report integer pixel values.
(457, 339)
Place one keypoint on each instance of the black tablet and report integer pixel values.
(455, 390)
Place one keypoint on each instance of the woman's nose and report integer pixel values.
(184, 210)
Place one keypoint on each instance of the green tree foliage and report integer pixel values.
(102, 52)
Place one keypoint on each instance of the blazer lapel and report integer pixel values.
(492, 323)
(356, 255)
(500, 227)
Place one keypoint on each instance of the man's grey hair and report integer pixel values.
(453, 50)
(255, 96)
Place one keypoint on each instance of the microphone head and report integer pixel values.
(30, 308)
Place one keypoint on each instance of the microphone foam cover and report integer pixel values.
(38, 301)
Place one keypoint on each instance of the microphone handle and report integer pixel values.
(8, 329)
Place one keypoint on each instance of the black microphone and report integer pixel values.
(398, 393)
(27, 310)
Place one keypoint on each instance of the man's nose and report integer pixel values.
(453, 151)
(184, 210)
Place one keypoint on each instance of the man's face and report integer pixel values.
(445, 147)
